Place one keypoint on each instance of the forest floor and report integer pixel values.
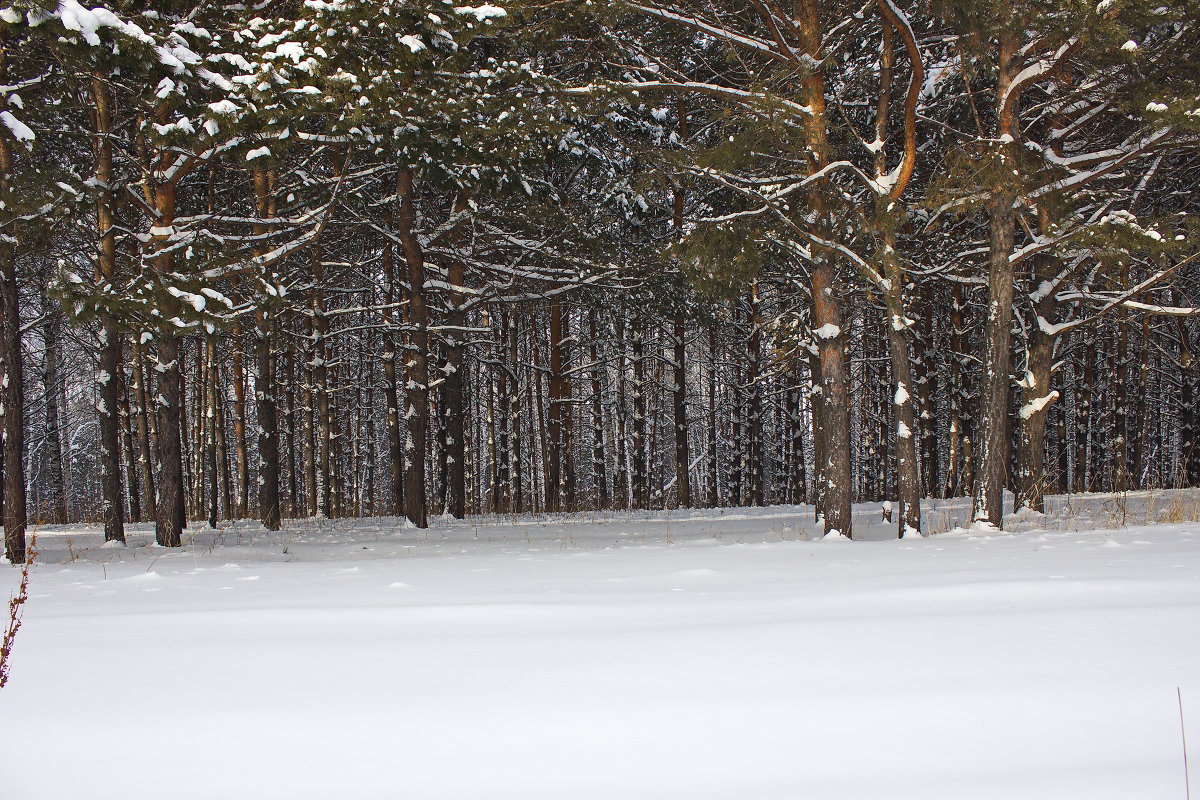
(676, 654)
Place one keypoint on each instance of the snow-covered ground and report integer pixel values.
(677, 654)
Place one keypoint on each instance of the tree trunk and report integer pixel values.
(683, 456)
(51, 376)
(416, 357)
(599, 459)
(908, 480)
(641, 478)
(834, 429)
(147, 443)
(264, 374)
(12, 394)
(714, 462)
(754, 416)
(1036, 399)
(133, 494)
(238, 363)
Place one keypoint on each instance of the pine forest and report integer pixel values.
(342, 258)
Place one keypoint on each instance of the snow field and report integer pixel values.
(693, 654)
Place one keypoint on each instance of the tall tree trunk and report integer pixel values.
(826, 310)
(210, 444)
(223, 474)
(683, 456)
(111, 338)
(290, 383)
(958, 458)
(133, 494)
(238, 363)
(1036, 398)
(899, 337)
(416, 357)
(169, 521)
(12, 391)
(110, 430)
(268, 425)
(988, 501)
(1119, 447)
(560, 484)
(51, 376)
(147, 440)
(1083, 411)
(514, 416)
(754, 415)
(264, 374)
(390, 387)
(1036, 395)
(599, 459)
(1141, 417)
(454, 389)
(714, 461)
(641, 477)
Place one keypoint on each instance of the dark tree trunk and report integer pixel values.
(51, 376)
(599, 460)
(683, 456)
(641, 477)
(264, 373)
(991, 449)
(1036, 398)
(133, 492)
(110, 339)
(147, 440)
(268, 426)
(416, 357)
(167, 522)
(238, 363)
(899, 338)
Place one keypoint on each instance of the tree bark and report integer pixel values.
(683, 457)
(51, 376)
(988, 501)
(826, 309)
(416, 357)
